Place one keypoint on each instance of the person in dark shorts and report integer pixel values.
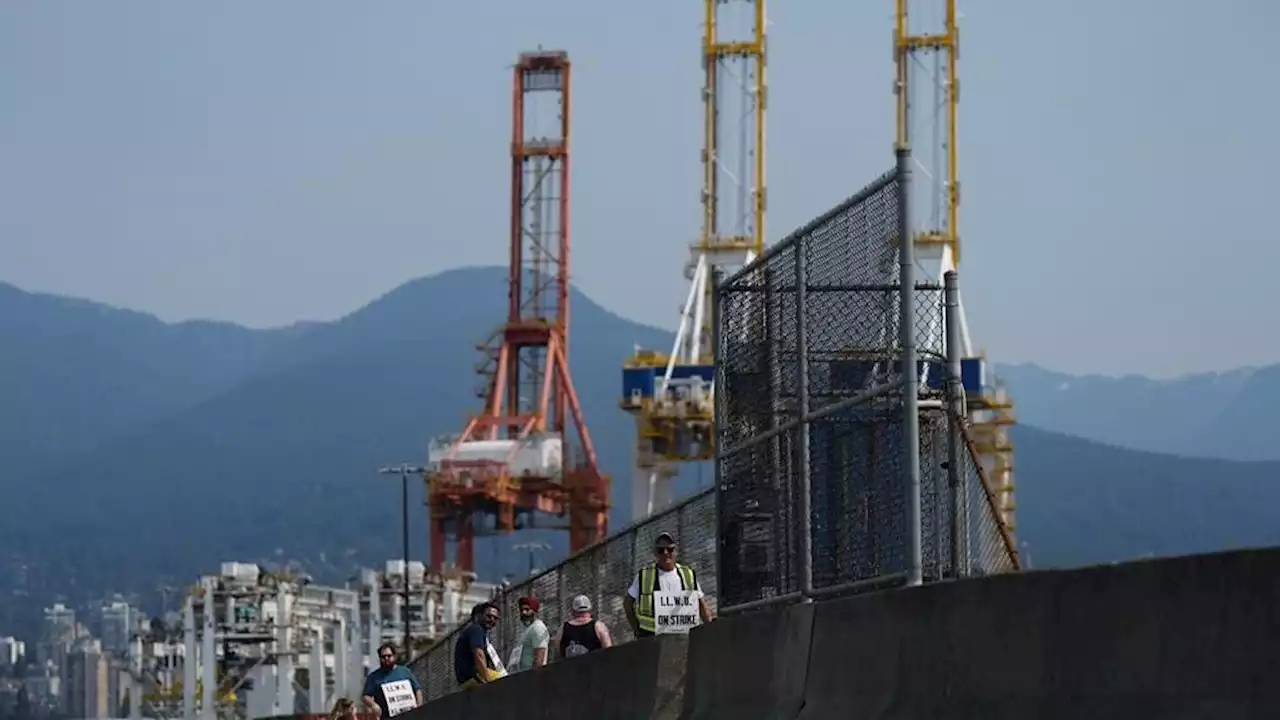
(474, 660)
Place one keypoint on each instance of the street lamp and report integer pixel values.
(404, 471)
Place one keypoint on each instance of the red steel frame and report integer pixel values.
(532, 349)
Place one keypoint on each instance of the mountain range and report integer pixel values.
(1230, 415)
(136, 455)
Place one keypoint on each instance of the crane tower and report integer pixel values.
(516, 460)
(671, 394)
(926, 51)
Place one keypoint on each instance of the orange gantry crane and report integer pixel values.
(519, 460)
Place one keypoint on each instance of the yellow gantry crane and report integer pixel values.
(927, 48)
(672, 394)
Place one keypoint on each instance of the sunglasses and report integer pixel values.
(387, 657)
(665, 550)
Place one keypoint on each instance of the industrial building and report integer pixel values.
(12, 650)
(258, 643)
(87, 687)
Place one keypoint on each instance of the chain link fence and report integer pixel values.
(812, 494)
(601, 572)
(814, 458)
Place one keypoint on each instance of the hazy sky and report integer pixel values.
(265, 162)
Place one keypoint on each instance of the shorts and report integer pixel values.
(490, 674)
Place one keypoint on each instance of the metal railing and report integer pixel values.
(602, 572)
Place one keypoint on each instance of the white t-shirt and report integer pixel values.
(668, 581)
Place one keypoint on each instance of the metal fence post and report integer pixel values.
(802, 432)
(955, 400)
(910, 373)
(718, 396)
(778, 478)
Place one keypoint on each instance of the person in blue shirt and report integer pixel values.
(391, 689)
(474, 659)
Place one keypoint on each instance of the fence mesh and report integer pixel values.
(602, 572)
(844, 268)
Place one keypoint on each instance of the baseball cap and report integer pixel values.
(664, 538)
(530, 602)
(581, 604)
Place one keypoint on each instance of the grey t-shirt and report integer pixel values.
(535, 636)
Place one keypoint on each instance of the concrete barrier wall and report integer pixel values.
(317, 716)
(642, 679)
(1193, 637)
(750, 666)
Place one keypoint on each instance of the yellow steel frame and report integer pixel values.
(713, 51)
(991, 440)
(660, 424)
(994, 409)
(906, 46)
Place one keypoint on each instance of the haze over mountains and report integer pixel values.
(135, 454)
(1232, 415)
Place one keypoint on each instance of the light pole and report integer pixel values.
(533, 548)
(404, 471)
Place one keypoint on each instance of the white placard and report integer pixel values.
(513, 660)
(675, 613)
(399, 697)
(498, 668)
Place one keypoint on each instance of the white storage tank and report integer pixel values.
(269, 610)
(536, 456)
(243, 574)
(417, 572)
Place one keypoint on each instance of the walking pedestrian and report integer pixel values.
(581, 633)
(391, 689)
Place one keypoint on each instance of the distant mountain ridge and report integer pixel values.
(1231, 415)
(202, 442)
(75, 373)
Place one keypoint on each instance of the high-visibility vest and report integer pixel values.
(649, 583)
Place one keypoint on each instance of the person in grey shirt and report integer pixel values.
(531, 650)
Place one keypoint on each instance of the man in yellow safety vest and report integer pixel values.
(661, 594)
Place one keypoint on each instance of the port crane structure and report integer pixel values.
(527, 455)
(672, 394)
(517, 459)
(927, 94)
